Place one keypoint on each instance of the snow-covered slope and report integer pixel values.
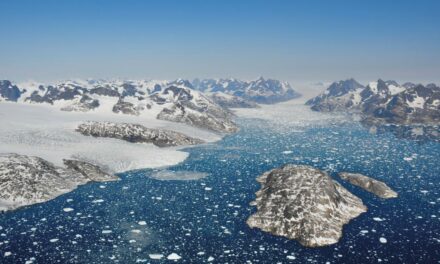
(185, 105)
(339, 95)
(264, 91)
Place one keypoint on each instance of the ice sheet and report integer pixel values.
(47, 132)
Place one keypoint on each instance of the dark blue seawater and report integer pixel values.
(205, 219)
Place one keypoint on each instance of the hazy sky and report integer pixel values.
(288, 40)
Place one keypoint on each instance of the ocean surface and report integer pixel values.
(199, 214)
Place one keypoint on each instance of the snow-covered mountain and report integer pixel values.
(175, 101)
(385, 101)
(339, 95)
(263, 91)
(419, 104)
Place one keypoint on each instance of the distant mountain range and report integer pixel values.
(246, 93)
(200, 103)
(382, 101)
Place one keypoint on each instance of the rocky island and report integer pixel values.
(371, 185)
(303, 203)
(26, 180)
(136, 133)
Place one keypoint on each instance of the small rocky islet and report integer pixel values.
(376, 187)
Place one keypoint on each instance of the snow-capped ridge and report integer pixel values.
(387, 101)
(164, 99)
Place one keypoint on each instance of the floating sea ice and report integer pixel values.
(98, 201)
(155, 256)
(291, 257)
(210, 259)
(383, 240)
(173, 256)
(7, 254)
(142, 223)
(287, 152)
(53, 240)
(106, 231)
(208, 189)
(30, 261)
(378, 219)
(67, 209)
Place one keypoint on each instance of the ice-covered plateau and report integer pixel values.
(303, 203)
(371, 185)
(26, 180)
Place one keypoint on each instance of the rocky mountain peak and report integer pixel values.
(8, 91)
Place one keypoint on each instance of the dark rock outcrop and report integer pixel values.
(136, 133)
(88, 170)
(125, 108)
(8, 91)
(84, 104)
